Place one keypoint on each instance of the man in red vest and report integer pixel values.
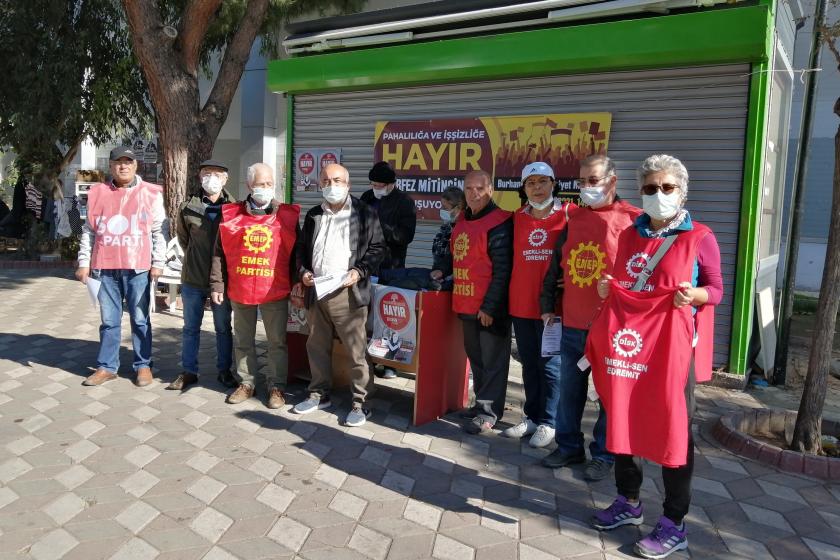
(584, 251)
(482, 259)
(254, 264)
(122, 241)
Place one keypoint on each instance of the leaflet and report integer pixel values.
(552, 335)
(93, 286)
(329, 283)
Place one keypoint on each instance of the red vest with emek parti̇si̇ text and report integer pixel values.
(472, 268)
(257, 250)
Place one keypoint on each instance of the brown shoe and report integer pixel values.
(183, 381)
(99, 377)
(144, 377)
(242, 394)
(276, 398)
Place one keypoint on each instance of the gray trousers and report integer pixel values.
(275, 314)
(489, 353)
(336, 315)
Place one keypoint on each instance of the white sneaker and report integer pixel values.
(543, 436)
(524, 428)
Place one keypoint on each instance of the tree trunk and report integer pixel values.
(170, 66)
(806, 433)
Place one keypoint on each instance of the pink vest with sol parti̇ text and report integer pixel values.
(121, 219)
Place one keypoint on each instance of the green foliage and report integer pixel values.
(230, 13)
(68, 72)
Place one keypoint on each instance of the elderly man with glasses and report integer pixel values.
(582, 254)
(342, 240)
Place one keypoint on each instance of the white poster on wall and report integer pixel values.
(394, 324)
(308, 164)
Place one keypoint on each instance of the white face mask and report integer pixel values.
(661, 206)
(262, 195)
(334, 195)
(379, 193)
(541, 205)
(212, 184)
(594, 197)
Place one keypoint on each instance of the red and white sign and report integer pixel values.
(394, 324)
(328, 158)
(306, 163)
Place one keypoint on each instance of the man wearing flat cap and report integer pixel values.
(397, 214)
(198, 225)
(122, 243)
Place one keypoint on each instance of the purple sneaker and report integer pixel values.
(618, 514)
(663, 540)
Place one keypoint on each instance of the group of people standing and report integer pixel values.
(635, 290)
(550, 261)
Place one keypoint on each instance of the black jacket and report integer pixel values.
(398, 219)
(197, 237)
(366, 245)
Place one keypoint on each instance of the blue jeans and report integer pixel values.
(193, 300)
(574, 385)
(133, 287)
(540, 376)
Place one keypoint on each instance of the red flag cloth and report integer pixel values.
(639, 347)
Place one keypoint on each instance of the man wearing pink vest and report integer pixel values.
(122, 241)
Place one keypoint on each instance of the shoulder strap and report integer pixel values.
(646, 273)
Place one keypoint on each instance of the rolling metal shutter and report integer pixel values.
(698, 114)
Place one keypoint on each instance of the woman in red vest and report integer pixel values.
(536, 227)
(662, 315)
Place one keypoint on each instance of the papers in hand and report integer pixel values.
(327, 284)
(552, 335)
(93, 286)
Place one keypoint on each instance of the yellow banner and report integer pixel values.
(434, 154)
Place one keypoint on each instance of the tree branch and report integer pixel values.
(191, 31)
(828, 39)
(236, 55)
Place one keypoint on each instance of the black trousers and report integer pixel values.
(488, 350)
(677, 480)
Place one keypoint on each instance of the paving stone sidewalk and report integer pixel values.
(122, 472)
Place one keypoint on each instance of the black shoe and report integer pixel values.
(559, 458)
(468, 413)
(226, 378)
(183, 381)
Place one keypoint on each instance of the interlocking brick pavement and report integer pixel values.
(118, 471)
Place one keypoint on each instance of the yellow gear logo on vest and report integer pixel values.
(257, 238)
(460, 246)
(586, 263)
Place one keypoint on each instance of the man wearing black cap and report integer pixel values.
(397, 214)
(198, 224)
(122, 241)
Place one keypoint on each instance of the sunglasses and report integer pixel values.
(666, 188)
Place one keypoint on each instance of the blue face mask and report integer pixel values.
(446, 215)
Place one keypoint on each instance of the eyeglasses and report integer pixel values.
(666, 188)
(589, 181)
(336, 181)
